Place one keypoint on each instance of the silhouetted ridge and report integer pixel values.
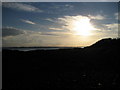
(108, 42)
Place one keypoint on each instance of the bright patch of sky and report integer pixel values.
(50, 23)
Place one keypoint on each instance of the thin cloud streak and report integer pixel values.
(21, 7)
(28, 21)
(49, 19)
(55, 28)
(97, 17)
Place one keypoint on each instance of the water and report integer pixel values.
(35, 48)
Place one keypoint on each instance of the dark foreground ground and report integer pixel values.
(96, 66)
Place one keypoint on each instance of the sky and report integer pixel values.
(64, 24)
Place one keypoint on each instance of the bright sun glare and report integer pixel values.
(82, 26)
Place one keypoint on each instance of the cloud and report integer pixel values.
(55, 28)
(110, 30)
(21, 7)
(10, 31)
(56, 33)
(68, 5)
(99, 29)
(117, 16)
(33, 39)
(113, 26)
(49, 19)
(69, 21)
(49, 33)
(14, 37)
(59, 6)
(28, 21)
(97, 17)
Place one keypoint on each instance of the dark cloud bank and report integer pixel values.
(9, 31)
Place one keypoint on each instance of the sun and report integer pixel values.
(82, 26)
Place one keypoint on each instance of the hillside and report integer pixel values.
(108, 42)
(96, 66)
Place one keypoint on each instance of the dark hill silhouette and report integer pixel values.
(108, 42)
(96, 66)
(104, 53)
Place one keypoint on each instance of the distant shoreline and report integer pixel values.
(37, 48)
